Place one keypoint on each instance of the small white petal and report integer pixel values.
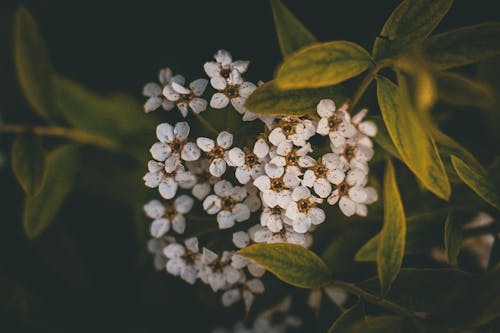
(263, 183)
(256, 286)
(167, 105)
(173, 251)
(223, 57)
(347, 206)
(218, 82)
(358, 194)
(235, 78)
(239, 104)
(168, 188)
(241, 212)
(335, 176)
(322, 187)
(316, 215)
(223, 188)
(325, 108)
(152, 179)
(205, 144)
(183, 108)
(152, 104)
(224, 139)
(306, 161)
(236, 157)
(159, 227)
(181, 131)
(241, 65)
(151, 89)
(179, 79)
(217, 167)
(180, 89)
(323, 128)
(175, 266)
(301, 225)
(368, 128)
(171, 163)
(154, 209)
(273, 170)
(192, 244)
(230, 297)
(165, 75)
(243, 174)
(190, 152)
(165, 133)
(183, 204)
(300, 193)
(358, 117)
(198, 104)
(337, 139)
(170, 93)
(211, 68)
(261, 148)
(256, 270)
(189, 274)
(200, 191)
(198, 86)
(253, 203)
(276, 136)
(361, 210)
(332, 199)
(179, 224)
(219, 101)
(274, 222)
(309, 178)
(160, 151)
(212, 204)
(241, 239)
(247, 88)
(225, 219)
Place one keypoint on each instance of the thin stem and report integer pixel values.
(62, 132)
(368, 80)
(205, 123)
(377, 300)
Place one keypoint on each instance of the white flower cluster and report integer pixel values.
(274, 184)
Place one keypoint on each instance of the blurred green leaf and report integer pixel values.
(412, 137)
(423, 231)
(391, 247)
(463, 46)
(33, 67)
(383, 138)
(291, 263)
(478, 181)
(269, 99)
(118, 118)
(321, 65)
(488, 72)
(456, 89)
(410, 22)
(41, 209)
(292, 35)
(344, 323)
(28, 162)
(452, 237)
(380, 324)
(425, 290)
(447, 147)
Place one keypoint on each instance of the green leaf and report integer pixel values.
(411, 137)
(270, 100)
(456, 89)
(391, 247)
(425, 290)
(117, 119)
(291, 263)
(453, 237)
(383, 138)
(380, 324)
(344, 323)
(292, 35)
(423, 231)
(41, 209)
(477, 181)
(324, 64)
(33, 67)
(28, 162)
(410, 22)
(463, 46)
(447, 147)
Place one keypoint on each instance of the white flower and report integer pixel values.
(224, 65)
(233, 89)
(248, 165)
(353, 199)
(168, 182)
(169, 214)
(217, 152)
(294, 129)
(245, 290)
(355, 152)
(187, 98)
(217, 271)
(227, 204)
(324, 173)
(303, 211)
(367, 127)
(183, 261)
(156, 246)
(261, 234)
(154, 90)
(335, 123)
(275, 188)
(173, 145)
(289, 159)
(204, 180)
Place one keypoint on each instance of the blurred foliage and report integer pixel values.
(74, 256)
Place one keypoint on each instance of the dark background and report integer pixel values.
(88, 271)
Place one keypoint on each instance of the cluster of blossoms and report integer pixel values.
(275, 189)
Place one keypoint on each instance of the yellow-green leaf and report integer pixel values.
(383, 138)
(292, 35)
(291, 263)
(324, 64)
(28, 162)
(452, 237)
(392, 237)
(410, 22)
(33, 67)
(41, 209)
(477, 181)
(411, 137)
(463, 46)
(456, 89)
(269, 99)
